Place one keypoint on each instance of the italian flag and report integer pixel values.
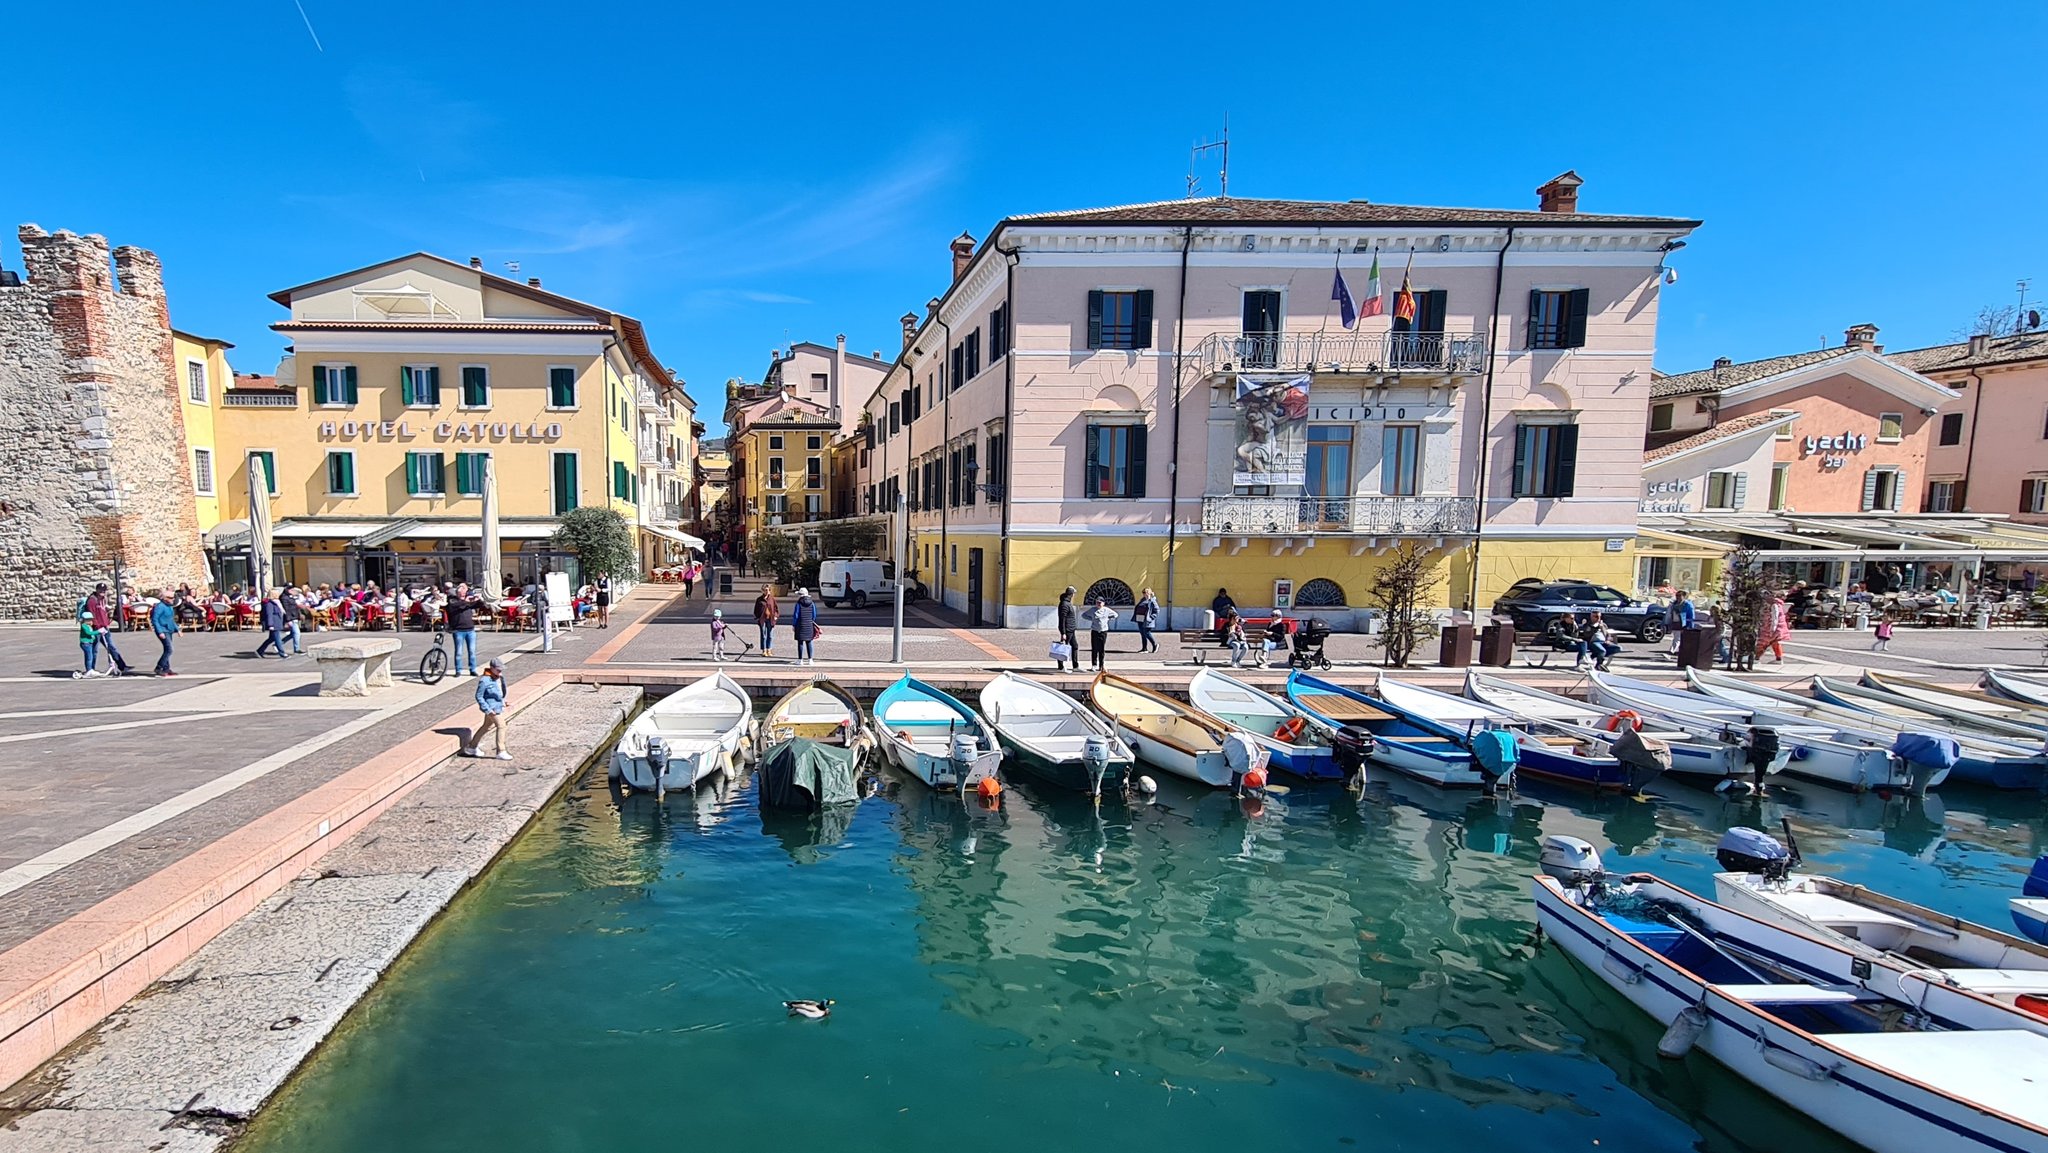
(1375, 301)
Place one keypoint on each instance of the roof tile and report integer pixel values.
(1238, 210)
(1722, 431)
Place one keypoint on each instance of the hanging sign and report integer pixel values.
(1272, 430)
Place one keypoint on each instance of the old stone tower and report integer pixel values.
(93, 460)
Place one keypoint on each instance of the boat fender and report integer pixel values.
(1792, 1062)
(1147, 785)
(989, 788)
(1622, 717)
(1255, 780)
(1684, 1032)
(1290, 730)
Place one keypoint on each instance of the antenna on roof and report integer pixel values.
(1221, 144)
(2021, 320)
(512, 266)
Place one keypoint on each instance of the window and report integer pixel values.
(1891, 427)
(774, 472)
(1546, 459)
(816, 443)
(997, 460)
(1557, 318)
(1881, 488)
(341, 474)
(202, 471)
(1320, 593)
(334, 385)
(957, 362)
(1328, 474)
(564, 472)
(1660, 418)
(426, 474)
(814, 506)
(1259, 346)
(1120, 319)
(973, 357)
(967, 469)
(1781, 485)
(469, 473)
(195, 381)
(419, 385)
(1109, 591)
(775, 444)
(814, 472)
(1952, 428)
(2034, 495)
(895, 418)
(821, 382)
(476, 386)
(953, 478)
(267, 461)
(1116, 461)
(1401, 460)
(562, 391)
(1784, 430)
(1941, 497)
(1726, 489)
(998, 333)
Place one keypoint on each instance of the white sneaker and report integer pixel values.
(465, 752)
(504, 756)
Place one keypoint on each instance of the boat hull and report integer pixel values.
(686, 768)
(942, 772)
(2014, 688)
(2030, 916)
(1538, 760)
(1066, 772)
(1207, 766)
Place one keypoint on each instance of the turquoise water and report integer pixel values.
(1325, 971)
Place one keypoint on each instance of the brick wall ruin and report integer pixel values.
(93, 459)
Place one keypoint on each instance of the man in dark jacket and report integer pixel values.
(272, 619)
(1068, 621)
(101, 606)
(462, 606)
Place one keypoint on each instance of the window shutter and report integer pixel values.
(1432, 307)
(1927, 499)
(1580, 303)
(1566, 460)
(348, 472)
(1095, 318)
(1869, 489)
(319, 385)
(405, 387)
(1141, 336)
(1741, 492)
(1898, 490)
(1956, 501)
(412, 474)
(1535, 311)
(967, 467)
(1090, 486)
(348, 383)
(475, 386)
(2026, 495)
(1136, 457)
(1517, 482)
(433, 386)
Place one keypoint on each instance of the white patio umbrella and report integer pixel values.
(494, 564)
(259, 524)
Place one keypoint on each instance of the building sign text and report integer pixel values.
(1835, 448)
(445, 430)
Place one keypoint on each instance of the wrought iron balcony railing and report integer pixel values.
(1355, 515)
(1385, 353)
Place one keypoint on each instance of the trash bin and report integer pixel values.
(1497, 645)
(725, 584)
(1696, 646)
(1456, 649)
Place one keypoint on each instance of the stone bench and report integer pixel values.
(351, 668)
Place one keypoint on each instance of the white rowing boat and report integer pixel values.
(684, 737)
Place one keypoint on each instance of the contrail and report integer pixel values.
(309, 26)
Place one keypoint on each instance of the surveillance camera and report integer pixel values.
(1671, 276)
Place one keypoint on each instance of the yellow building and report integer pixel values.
(203, 375)
(781, 463)
(401, 379)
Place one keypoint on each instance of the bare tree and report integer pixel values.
(1994, 320)
(1747, 588)
(1397, 592)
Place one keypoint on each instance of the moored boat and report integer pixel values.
(684, 737)
(1927, 715)
(929, 734)
(1053, 736)
(1546, 749)
(812, 743)
(1755, 751)
(2030, 908)
(1977, 704)
(1402, 741)
(1704, 755)
(2017, 687)
(1173, 735)
(1296, 741)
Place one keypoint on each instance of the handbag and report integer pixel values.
(1061, 651)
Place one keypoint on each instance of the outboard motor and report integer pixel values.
(1095, 759)
(1926, 755)
(1351, 745)
(1571, 860)
(1745, 850)
(1762, 750)
(1246, 758)
(657, 763)
(964, 750)
(1495, 752)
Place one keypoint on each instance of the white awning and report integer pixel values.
(474, 530)
(226, 536)
(681, 538)
(314, 530)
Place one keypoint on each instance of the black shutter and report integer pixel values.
(1516, 487)
(1565, 460)
(1095, 318)
(1135, 455)
(1927, 498)
(348, 384)
(1535, 319)
(967, 466)
(1429, 313)
(1957, 502)
(2026, 495)
(958, 364)
(1141, 326)
(1575, 318)
(1090, 489)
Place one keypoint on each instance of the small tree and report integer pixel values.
(1747, 588)
(602, 539)
(1397, 591)
(1994, 320)
(777, 553)
(847, 538)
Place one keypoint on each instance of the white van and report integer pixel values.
(855, 581)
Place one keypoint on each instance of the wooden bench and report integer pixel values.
(351, 668)
(1202, 639)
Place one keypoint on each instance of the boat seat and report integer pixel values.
(1341, 708)
(921, 713)
(1839, 914)
(1789, 994)
(1996, 1069)
(2001, 982)
(1418, 740)
(1561, 742)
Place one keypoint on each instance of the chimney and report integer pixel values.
(909, 323)
(931, 309)
(963, 254)
(1980, 345)
(476, 262)
(1862, 338)
(533, 282)
(1561, 194)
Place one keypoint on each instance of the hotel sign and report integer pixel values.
(447, 430)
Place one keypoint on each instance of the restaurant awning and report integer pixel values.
(1905, 537)
(227, 536)
(319, 530)
(681, 538)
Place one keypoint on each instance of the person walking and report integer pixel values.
(1144, 616)
(766, 614)
(1101, 619)
(294, 605)
(163, 621)
(1885, 624)
(689, 578)
(490, 698)
(461, 613)
(718, 634)
(271, 616)
(710, 571)
(1065, 620)
(1777, 626)
(1679, 616)
(803, 623)
(542, 620)
(104, 619)
(604, 601)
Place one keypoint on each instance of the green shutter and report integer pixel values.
(440, 471)
(1565, 460)
(1141, 326)
(1090, 486)
(412, 473)
(348, 383)
(433, 386)
(1095, 318)
(476, 388)
(1135, 455)
(319, 385)
(406, 395)
(1580, 303)
(1518, 484)
(1535, 312)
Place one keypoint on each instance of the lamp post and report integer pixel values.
(896, 636)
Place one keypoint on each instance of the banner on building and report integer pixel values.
(1272, 429)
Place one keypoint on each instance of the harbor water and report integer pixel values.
(1325, 970)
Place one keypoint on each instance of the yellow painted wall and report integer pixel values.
(199, 414)
(1504, 561)
(795, 455)
(621, 419)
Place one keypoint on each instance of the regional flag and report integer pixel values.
(1341, 293)
(1375, 296)
(1404, 305)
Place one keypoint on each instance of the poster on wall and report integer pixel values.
(1272, 429)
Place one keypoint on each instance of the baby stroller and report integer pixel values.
(1309, 639)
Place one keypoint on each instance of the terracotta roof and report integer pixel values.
(2001, 350)
(1238, 210)
(1711, 380)
(1722, 431)
(552, 326)
(250, 380)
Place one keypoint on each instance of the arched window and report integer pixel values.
(1320, 593)
(1111, 591)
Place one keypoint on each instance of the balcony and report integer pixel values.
(1345, 515)
(1368, 354)
(648, 400)
(259, 398)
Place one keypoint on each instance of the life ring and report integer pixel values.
(1614, 723)
(1290, 729)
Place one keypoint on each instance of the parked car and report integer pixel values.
(857, 581)
(1538, 606)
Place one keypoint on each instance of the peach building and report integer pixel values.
(1165, 396)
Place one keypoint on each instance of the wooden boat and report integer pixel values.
(1884, 1054)
(1168, 734)
(812, 743)
(1926, 715)
(1703, 754)
(933, 737)
(1756, 751)
(1546, 750)
(1402, 741)
(2015, 687)
(1053, 736)
(685, 736)
(1295, 741)
(1967, 700)
(1985, 760)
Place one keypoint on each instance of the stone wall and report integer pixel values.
(93, 458)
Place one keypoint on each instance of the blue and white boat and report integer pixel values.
(2030, 908)
(1943, 719)
(1546, 750)
(1405, 742)
(934, 737)
(1295, 741)
(1704, 755)
(2017, 687)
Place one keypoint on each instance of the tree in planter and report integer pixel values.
(1397, 592)
(777, 553)
(1747, 588)
(602, 539)
(849, 538)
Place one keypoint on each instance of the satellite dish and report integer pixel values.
(2033, 318)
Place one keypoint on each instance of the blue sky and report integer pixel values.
(741, 177)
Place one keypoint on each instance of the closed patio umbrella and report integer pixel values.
(259, 523)
(494, 564)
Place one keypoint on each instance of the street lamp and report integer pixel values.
(896, 637)
(993, 489)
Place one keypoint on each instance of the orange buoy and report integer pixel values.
(1625, 716)
(1255, 779)
(989, 788)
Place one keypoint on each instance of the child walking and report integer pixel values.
(1884, 634)
(717, 634)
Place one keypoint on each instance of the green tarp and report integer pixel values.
(804, 774)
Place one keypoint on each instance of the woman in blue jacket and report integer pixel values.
(803, 621)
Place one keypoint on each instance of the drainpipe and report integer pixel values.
(1970, 452)
(1486, 417)
(605, 361)
(945, 446)
(1009, 408)
(1180, 328)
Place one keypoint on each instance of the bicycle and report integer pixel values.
(434, 663)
